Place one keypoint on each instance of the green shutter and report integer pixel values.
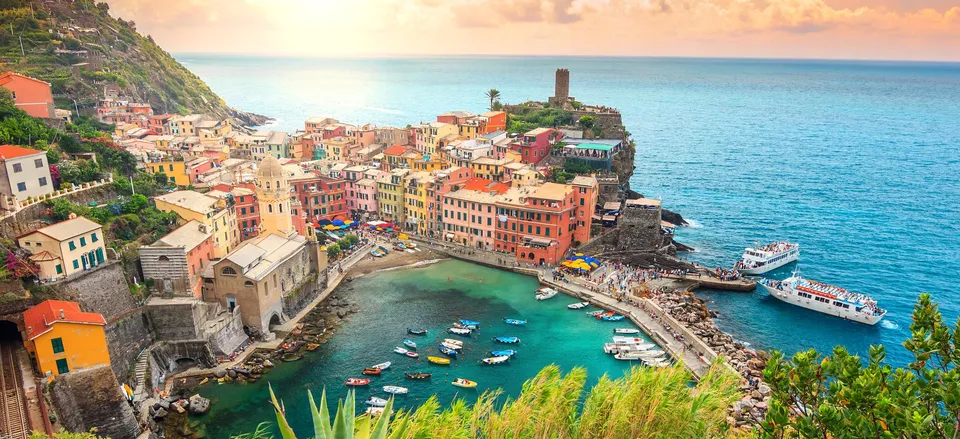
(93, 237)
(83, 241)
(59, 269)
(73, 246)
(57, 345)
(62, 367)
(76, 264)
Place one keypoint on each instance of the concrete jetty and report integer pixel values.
(713, 283)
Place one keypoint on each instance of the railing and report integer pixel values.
(17, 205)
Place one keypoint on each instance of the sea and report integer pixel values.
(858, 161)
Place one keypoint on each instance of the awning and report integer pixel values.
(609, 218)
(595, 146)
(450, 236)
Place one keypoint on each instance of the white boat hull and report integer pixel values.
(787, 295)
(791, 257)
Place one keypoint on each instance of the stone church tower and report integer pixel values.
(273, 195)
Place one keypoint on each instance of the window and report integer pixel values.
(59, 269)
(83, 241)
(62, 367)
(57, 345)
(17, 167)
(38, 163)
(72, 245)
(163, 259)
(171, 167)
(43, 181)
(76, 264)
(21, 187)
(248, 284)
(93, 237)
(243, 211)
(228, 271)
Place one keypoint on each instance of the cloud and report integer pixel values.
(493, 13)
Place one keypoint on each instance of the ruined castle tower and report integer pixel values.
(561, 92)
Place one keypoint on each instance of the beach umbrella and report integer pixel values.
(579, 254)
(323, 222)
(337, 222)
(348, 222)
(403, 237)
(594, 264)
(329, 227)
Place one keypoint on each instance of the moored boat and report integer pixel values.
(469, 323)
(495, 360)
(507, 340)
(634, 340)
(453, 346)
(655, 362)
(453, 342)
(503, 353)
(448, 351)
(613, 318)
(413, 354)
(761, 259)
(825, 298)
(382, 366)
(418, 375)
(417, 331)
(371, 371)
(375, 411)
(465, 383)
(353, 382)
(396, 390)
(626, 331)
(545, 293)
(459, 331)
(616, 348)
(515, 322)
(595, 313)
(409, 343)
(578, 305)
(373, 401)
(400, 350)
(638, 355)
(438, 360)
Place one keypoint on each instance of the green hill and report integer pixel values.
(79, 48)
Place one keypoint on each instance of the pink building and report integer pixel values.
(534, 145)
(366, 196)
(470, 214)
(196, 167)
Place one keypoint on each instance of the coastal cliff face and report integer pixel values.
(80, 49)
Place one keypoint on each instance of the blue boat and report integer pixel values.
(417, 331)
(613, 318)
(503, 353)
(515, 322)
(469, 323)
(410, 343)
(507, 340)
(448, 352)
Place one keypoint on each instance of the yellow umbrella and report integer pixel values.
(348, 222)
(594, 264)
(581, 265)
(403, 237)
(566, 263)
(330, 227)
(578, 254)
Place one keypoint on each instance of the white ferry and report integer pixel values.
(759, 260)
(825, 298)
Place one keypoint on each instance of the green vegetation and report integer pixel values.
(541, 118)
(334, 250)
(645, 403)
(64, 434)
(349, 240)
(125, 220)
(494, 96)
(571, 168)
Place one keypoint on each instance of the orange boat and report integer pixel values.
(353, 382)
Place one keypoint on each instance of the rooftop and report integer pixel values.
(65, 230)
(537, 131)
(190, 200)
(41, 318)
(583, 180)
(260, 256)
(552, 191)
(12, 152)
(395, 150)
(187, 236)
(643, 202)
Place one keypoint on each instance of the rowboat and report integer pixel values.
(595, 313)
(507, 340)
(503, 352)
(447, 351)
(438, 360)
(465, 383)
(400, 350)
(396, 390)
(417, 331)
(375, 402)
(455, 347)
(496, 360)
(468, 323)
(613, 318)
(655, 362)
(418, 375)
(410, 343)
(375, 411)
(626, 331)
(515, 322)
(357, 382)
(382, 366)
(545, 293)
(578, 305)
(459, 331)
(413, 354)
(453, 342)
(371, 371)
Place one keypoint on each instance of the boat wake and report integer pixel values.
(401, 267)
(889, 324)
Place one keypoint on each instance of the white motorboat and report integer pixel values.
(825, 298)
(401, 351)
(373, 401)
(453, 342)
(637, 356)
(396, 390)
(496, 360)
(761, 259)
(545, 293)
(578, 305)
(455, 347)
(634, 340)
(459, 331)
(616, 348)
(655, 362)
(626, 331)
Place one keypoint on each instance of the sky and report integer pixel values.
(832, 29)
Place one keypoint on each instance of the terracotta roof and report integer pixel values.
(395, 150)
(41, 318)
(12, 152)
(67, 229)
(8, 77)
(485, 185)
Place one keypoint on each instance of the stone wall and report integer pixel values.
(164, 357)
(225, 332)
(639, 229)
(176, 320)
(303, 295)
(127, 336)
(32, 218)
(91, 398)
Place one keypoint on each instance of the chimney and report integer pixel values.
(61, 314)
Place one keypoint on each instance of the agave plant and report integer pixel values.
(346, 425)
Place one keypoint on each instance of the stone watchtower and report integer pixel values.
(561, 92)
(639, 226)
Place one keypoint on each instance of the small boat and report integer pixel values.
(613, 318)
(382, 366)
(496, 360)
(655, 362)
(400, 246)
(357, 382)
(448, 351)
(469, 323)
(626, 331)
(371, 371)
(410, 343)
(453, 342)
(417, 331)
(507, 340)
(413, 354)
(376, 253)
(419, 375)
(636, 356)
(373, 401)
(459, 331)
(604, 314)
(400, 350)
(578, 305)
(375, 411)
(503, 353)
(465, 383)
(595, 313)
(312, 346)
(515, 322)
(455, 347)
(396, 390)
(634, 340)
(438, 360)
(545, 293)
(617, 348)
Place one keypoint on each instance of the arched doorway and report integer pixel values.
(274, 321)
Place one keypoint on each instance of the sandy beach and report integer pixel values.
(394, 259)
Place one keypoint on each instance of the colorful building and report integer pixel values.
(29, 94)
(470, 213)
(24, 172)
(535, 145)
(175, 263)
(61, 338)
(391, 195)
(536, 223)
(212, 212)
(494, 121)
(321, 197)
(586, 192)
(65, 248)
(183, 173)
(416, 203)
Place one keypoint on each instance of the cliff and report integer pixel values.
(80, 49)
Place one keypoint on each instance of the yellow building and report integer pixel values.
(175, 170)
(212, 212)
(61, 338)
(489, 168)
(65, 248)
(429, 135)
(391, 194)
(337, 148)
(416, 203)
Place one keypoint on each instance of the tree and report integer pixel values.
(161, 178)
(587, 122)
(135, 204)
(79, 171)
(333, 250)
(350, 240)
(838, 396)
(494, 95)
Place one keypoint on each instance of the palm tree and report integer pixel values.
(494, 95)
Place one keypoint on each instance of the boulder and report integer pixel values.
(219, 372)
(163, 404)
(199, 405)
(232, 373)
(764, 389)
(267, 363)
(160, 414)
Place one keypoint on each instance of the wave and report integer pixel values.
(889, 324)
(693, 224)
(381, 110)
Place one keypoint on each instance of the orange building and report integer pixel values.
(536, 222)
(29, 94)
(495, 121)
(61, 338)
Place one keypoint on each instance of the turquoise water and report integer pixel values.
(858, 161)
(423, 297)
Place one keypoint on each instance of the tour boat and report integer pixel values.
(418, 375)
(759, 260)
(448, 351)
(396, 390)
(417, 331)
(825, 298)
(455, 347)
(503, 353)
(410, 343)
(515, 322)
(496, 360)
(613, 318)
(357, 382)
(507, 340)
(413, 354)
(375, 402)
(400, 350)
(453, 343)
(465, 383)
(382, 366)
(578, 305)
(471, 324)
(459, 331)
(545, 293)
(375, 411)
(626, 331)
(371, 371)
(438, 360)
